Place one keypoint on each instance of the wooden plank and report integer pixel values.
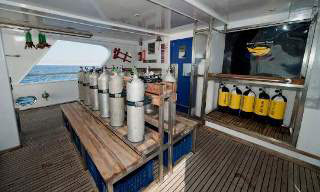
(251, 127)
(309, 181)
(230, 174)
(243, 175)
(278, 182)
(247, 184)
(296, 179)
(183, 125)
(291, 177)
(234, 174)
(303, 181)
(199, 163)
(220, 166)
(110, 154)
(272, 179)
(240, 170)
(284, 178)
(266, 178)
(201, 173)
(315, 181)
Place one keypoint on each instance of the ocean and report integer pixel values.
(51, 73)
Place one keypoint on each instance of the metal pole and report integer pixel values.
(161, 119)
(170, 135)
(206, 69)
(194, 69)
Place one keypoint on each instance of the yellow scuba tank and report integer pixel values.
(223, 100)
(277, 108)
(247, 107)
(262, 104)
(235, 100)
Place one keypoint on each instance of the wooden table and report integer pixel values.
(110, 154)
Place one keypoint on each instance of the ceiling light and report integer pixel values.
(285, 27)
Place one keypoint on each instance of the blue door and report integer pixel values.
(181, 54)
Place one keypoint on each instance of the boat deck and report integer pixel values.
(223, 163)
(48, 161)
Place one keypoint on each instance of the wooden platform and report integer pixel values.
(182, 127)
(276, 135)
(148, 145)
(224, 164)
(109, 153)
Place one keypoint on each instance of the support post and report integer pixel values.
(160, 129)
(193, 74)
(170, 135)
(206, 69)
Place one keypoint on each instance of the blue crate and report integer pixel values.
(76, 141)
(133, 182)
(181, 148)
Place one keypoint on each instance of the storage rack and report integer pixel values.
(154, 145)
(300, 85)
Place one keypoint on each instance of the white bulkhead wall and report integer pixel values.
(60, 91)
(9, 136)
(18, 67)
(309, 137)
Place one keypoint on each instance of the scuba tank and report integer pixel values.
(116, 99)
(103, 93)
(223, 99)
(135, 108)
(262, 106)
(235, 100)
(247, 103)
(80, 84)
(86, 85)
(93, 82)
(169, 78)
(277, 108)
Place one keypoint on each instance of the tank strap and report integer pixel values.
(136, 103)
(117, 95)
(103, 91)
(94, 87)
(85, 84)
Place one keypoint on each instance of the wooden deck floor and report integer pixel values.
(223, 164)
(47, 161)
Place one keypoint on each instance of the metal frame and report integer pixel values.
(315, 39)
(308, 61)
(194, 69)
(206, 69)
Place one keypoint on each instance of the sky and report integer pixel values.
(75, 53)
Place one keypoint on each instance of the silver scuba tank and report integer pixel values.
(80, 84)
(86, 89)
(135, 109)
(169, 78)
(116, 99)
(93, 80)
(103, 90)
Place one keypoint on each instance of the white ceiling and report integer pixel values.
(141, 16)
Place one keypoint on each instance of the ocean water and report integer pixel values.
(51, 73)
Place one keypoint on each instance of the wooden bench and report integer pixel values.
(112, 157)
